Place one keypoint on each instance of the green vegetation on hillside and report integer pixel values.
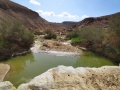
(78, 40)
(85, 35)
(115, 36)
(105, 41)
(73, 34)
(50, 34)
(14, 38)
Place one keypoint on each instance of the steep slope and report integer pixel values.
(10, 10)
(15, 20)
(101, 35)
(102, 21)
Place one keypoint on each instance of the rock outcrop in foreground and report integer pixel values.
(68, 78)
(6, 86)
(4, 68)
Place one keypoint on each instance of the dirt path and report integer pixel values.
(4, 68)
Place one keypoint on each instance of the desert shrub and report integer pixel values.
(114, 38)
(88, 33)
(14, 37)
(115, 25)
(78, 40)
(73, 34)
(15, 33)
(91, 34)
(38, 32)
(50, 34)
(115, 30)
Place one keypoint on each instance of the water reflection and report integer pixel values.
(90, 59)
(24, 68)
(17, 66)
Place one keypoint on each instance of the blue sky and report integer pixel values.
(71, 10)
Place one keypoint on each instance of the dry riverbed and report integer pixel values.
(55, 48)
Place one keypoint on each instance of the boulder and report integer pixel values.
(7, 86)
(69, 78)
(4, 68)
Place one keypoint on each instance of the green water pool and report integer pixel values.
(24, 68)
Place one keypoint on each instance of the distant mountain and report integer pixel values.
(99, 35)
(65, 24)
(13, 11)
(101, 22)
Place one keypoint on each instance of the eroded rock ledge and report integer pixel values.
(4, 68)
(6, 86)
(69, 78)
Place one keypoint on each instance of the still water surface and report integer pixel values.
(24, 68)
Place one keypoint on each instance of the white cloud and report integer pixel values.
(35, 2)
(84, 16)
(41, 12)
(61, 15)
(68, 15)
